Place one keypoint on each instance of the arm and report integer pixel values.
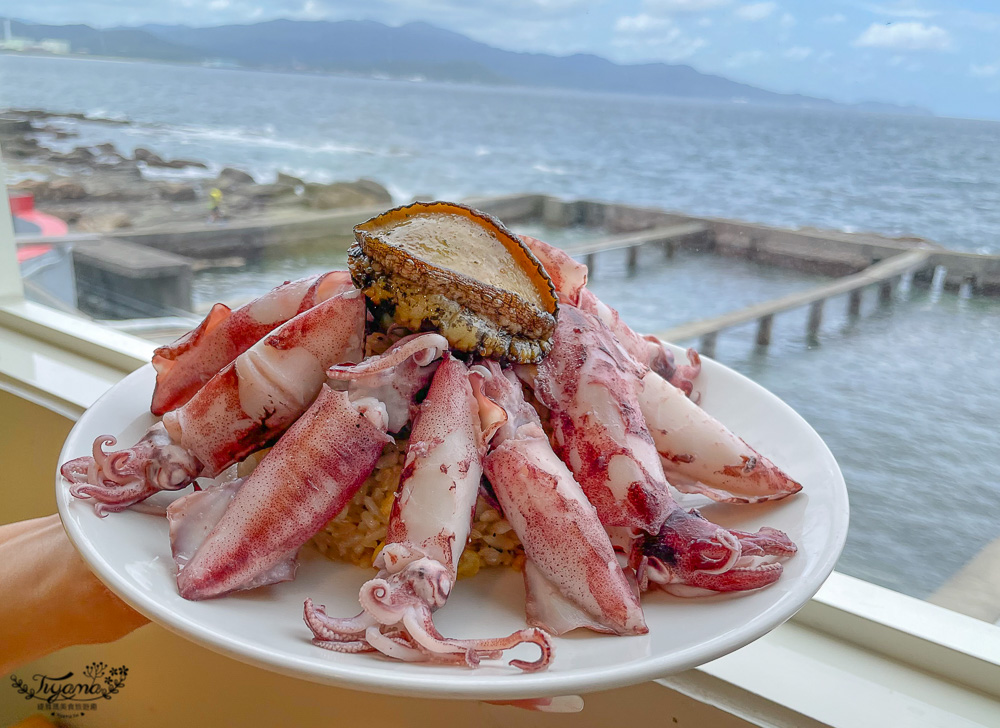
(49, 599)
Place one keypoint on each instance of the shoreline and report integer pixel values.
(98, 189)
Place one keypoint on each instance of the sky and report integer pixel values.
(943, 55)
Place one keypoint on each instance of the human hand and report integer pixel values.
(52, 599)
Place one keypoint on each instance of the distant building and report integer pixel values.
(56, 47)
(11, 42)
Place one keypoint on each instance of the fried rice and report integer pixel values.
(357, 533)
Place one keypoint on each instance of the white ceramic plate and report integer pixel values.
(130, 552)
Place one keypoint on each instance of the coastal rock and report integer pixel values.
(230, 177)
(103, 222)
(108, 161)
(106, 192)
(126, 168)
(362, 193)
(37, 188)
(141, 154)
(269, 192)
(122, 183)
(14, 127)
(176, 192)
(57, 131)
(108, 156)
(155, 160)
(80, 155)
(64, 189)
(288, 180)
(22, 147)
(68, 216)
(40, 114)
(181, 163)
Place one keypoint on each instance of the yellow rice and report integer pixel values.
(357, 533)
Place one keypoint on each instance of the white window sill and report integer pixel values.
(62, 362)
(857, 655)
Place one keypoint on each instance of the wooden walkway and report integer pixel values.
(667, 237)
(884, 274)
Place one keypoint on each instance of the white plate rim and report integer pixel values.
(467, 684)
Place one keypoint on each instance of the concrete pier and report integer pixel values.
(854, 303)
(120, 280)
(667, 237)
(814, 298)
(837, 254)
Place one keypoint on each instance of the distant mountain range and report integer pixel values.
(413, 50)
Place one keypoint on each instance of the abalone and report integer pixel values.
(444, 266)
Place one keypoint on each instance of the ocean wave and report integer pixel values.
(184, 173)
(400, 195)
(306, 174)
(264, 137)
(102, 113)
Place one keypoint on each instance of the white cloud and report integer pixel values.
(641, 24)
(825, 56)
(311, 10)
(986, 70)
(787, 20)
(218, 5)
(798, 53)
(910, 36)
(645, 34)
(745, 58)
(705, 22)
(902, 9)
(756, 11)
(559, 5)
(677, 7)
(834, 19)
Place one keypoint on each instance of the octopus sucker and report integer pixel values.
(459, 271)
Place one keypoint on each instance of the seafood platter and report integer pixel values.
(450, 470)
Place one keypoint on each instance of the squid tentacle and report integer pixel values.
(428, 528)
(332, 629)
(119, 479)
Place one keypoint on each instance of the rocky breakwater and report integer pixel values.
(99, 188)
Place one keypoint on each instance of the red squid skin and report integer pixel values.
(589, 383)
(243, 408)
(185, 366)
(305, 480)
